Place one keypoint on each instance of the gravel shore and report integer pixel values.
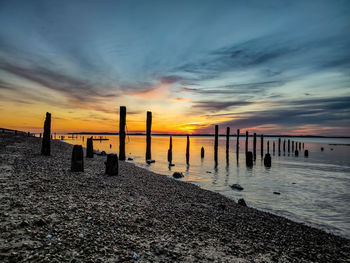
(49, 214)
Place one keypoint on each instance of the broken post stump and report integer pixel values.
(267, 160)
(296, 153)
(89, 148)
(216, 144)
(112, 166)
(306, 153)
(45, 146)
(202, 152)
(249, 159)
(188, 150)
(77, 163)
(122, 123)
(148, 135)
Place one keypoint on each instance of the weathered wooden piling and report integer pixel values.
(306, 153)
(3, 130)
(267, 160)
(279, 146)
(284, 146)
(292, 146)
(249, 159)
(40, 135)
(268, 146)
(299, 146)
(46, 142)
(148, 135)
(28, 134)
(77, 162)
(89, 148)
(288, 145)
(227, 144)
(246, 142)
(15, 132)
(303, 145)
(216, 144)
(296, 153)
(112, 166)
(122, 123)
(170, 151)
(202, 152)
(254, 146)
(273, 147)
(262, 145)
(188, 150)
(237, 145)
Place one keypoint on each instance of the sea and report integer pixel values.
(313, 190)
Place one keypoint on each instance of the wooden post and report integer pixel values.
(279, 146)
(227, 144)
(28, 134)
(77, 162)
(262, 145)
(122, 123)
(3, 130)
(299, 145)
(89, 148)
(46, 143)
(306, 153)
(254, 146)
(15, 132)
(296, 153)
(188, 150)
(170, 151)
(284, 146)
(246, 142)
(273, 147)
(268, 146)
(288, 146)
(148, 135)
(303, 145)
(112, 166)
(267, 160)
(216, 144)
(237, 145)
(202, 152)
(249, 159)
(292, 146)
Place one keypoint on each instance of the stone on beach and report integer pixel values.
(178, 175)
(237, 187)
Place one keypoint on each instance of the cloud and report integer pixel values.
(214, 106)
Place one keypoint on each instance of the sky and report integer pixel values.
(272, 67)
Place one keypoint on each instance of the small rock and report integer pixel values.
(24, 223)
(242, 202)
(81, 235)
(237, 187)
(40, 222)
(178, 175)
(277, 193)
(49, 236)
(130, 159)
(135, 256)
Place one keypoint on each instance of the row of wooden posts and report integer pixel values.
(249, 156)
(77, 162)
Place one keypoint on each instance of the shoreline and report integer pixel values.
(49, 213)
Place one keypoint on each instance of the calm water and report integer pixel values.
(314, 190)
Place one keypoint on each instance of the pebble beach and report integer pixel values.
(50, 214)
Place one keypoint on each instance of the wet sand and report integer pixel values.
(48, 214)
